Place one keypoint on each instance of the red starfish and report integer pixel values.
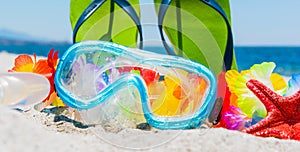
(283, 113)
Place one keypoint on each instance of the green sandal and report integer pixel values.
(117, 21)
(199, 30)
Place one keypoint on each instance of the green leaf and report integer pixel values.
(109, 22)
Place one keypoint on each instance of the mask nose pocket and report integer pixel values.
(121, 110)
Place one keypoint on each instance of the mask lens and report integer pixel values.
(177, 93)
(84, 74)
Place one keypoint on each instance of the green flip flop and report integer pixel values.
(199, 30)
(108, 20)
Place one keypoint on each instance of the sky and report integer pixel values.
(254, 22)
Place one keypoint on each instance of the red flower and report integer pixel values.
(45, 67)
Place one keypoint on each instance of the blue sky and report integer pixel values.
(266, 22)
(255, 22)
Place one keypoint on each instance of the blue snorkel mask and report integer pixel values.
(109, 83)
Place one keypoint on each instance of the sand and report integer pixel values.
(36, 131)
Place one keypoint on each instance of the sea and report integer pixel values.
(286, 58)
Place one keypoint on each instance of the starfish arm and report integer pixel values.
(295, 96)
(291, 106)
(282, 131)
(272, 118)
(257, 127)
(294, 99)
(264, 93)
(288, 106)
(296, 131)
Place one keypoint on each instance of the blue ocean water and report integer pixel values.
(38, 49)
(286, 58)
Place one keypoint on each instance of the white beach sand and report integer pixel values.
(35, 131)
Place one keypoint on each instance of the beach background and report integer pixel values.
(38, 131)
(264, 31)
(286, 58)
